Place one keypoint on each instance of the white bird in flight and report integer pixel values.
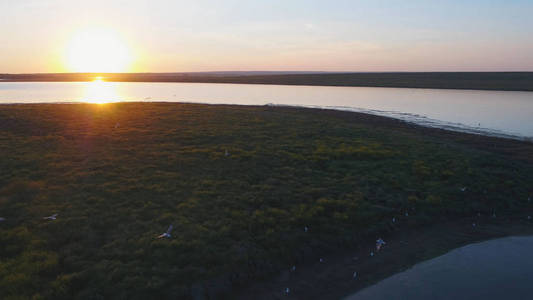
(166, 234)
(463, 189)
(379, 243)
(52, 217)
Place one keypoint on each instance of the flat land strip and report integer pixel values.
(506, 81)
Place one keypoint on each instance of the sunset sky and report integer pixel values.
(210, 35)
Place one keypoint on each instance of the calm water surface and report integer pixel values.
(486, 112)
(496, 269)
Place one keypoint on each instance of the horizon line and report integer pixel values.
(265, 72)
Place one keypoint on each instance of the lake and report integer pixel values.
(495, 269)
(499, 113)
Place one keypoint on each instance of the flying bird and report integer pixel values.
(379, 243)
(166, 234)
(52, 217)
(463, 189)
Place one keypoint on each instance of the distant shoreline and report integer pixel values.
(495, 81)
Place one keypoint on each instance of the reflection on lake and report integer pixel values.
(99, 91)
(487, 112)
(496, 269)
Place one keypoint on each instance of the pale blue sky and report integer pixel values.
(342, 35)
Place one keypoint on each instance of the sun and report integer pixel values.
(97, 50)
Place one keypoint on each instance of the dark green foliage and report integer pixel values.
(235, 217)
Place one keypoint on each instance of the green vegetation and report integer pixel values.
(119, 174)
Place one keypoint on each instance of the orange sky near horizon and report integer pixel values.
(207, 35)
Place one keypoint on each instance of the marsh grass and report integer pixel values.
(236, 218)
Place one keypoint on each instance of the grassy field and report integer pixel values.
(508, 81)
(119, 174)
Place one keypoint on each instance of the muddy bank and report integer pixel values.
(406, 246)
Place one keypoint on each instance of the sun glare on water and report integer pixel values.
(100, 92)
(97, 50)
